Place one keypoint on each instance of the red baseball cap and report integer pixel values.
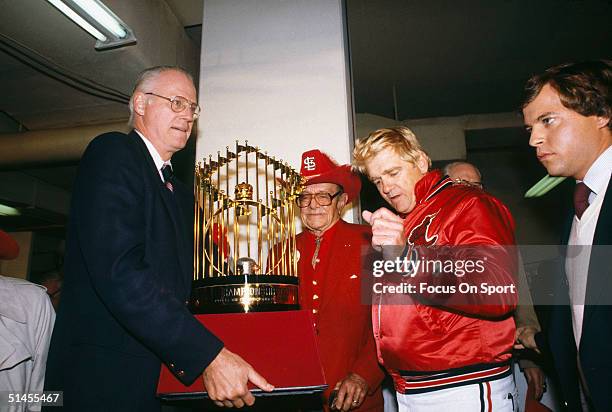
(9, 248)
(317, 167)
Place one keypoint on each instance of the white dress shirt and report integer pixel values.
(159, 163)
(579, 243)
(597, 179)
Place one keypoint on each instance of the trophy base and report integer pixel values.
(226, 294)
(282, 346)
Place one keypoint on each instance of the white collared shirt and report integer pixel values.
(598, 175)
(597, 179)
(159, 163)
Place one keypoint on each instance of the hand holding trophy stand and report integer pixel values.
(245, 283)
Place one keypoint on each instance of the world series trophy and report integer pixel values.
(244, 233)
(245, 283)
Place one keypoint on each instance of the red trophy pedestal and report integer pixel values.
(281, 346)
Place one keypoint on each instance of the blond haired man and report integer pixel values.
(443, 353)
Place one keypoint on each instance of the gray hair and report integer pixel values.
(146, 78)
(449, 167)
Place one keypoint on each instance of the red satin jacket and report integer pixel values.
(421, 338)
(332, 291)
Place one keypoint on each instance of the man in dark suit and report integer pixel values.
(567, 110)
(128, 268)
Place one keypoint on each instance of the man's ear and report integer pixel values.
(342, 201)
(422, 162)
(140, 103)
(602, 121)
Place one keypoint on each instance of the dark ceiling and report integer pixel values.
(448, 58)
(409, 59)
(441, 57)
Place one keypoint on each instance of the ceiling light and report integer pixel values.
(78, 19)
(98, 20)
(102, 15)
(8, 211)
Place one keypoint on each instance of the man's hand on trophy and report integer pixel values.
(350, 393)
(387, 230)
(226, 379)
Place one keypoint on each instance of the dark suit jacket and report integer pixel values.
(128, 272)
(595, 350)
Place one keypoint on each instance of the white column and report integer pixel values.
(275, 73)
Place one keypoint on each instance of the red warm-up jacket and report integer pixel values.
(420, 337)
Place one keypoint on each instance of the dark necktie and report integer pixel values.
(581, 198)
(168, 176)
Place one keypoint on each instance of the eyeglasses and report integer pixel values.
(179, 104)
(468, 183)
(322, 198)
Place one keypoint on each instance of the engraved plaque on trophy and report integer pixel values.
(244, 247)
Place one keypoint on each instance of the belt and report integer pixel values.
(410, 382)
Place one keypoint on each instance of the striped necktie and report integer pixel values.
(168, 176)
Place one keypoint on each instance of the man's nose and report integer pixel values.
(187, 115)
(386, 187)
(535, 138)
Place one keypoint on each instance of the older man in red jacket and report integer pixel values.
(330, 253)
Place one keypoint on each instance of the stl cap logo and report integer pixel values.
(309, 163)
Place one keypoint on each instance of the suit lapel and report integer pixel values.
(599, 280)
(170, 201)
(184, 207)
(603, 231)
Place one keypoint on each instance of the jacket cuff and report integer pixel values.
(372, 374)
